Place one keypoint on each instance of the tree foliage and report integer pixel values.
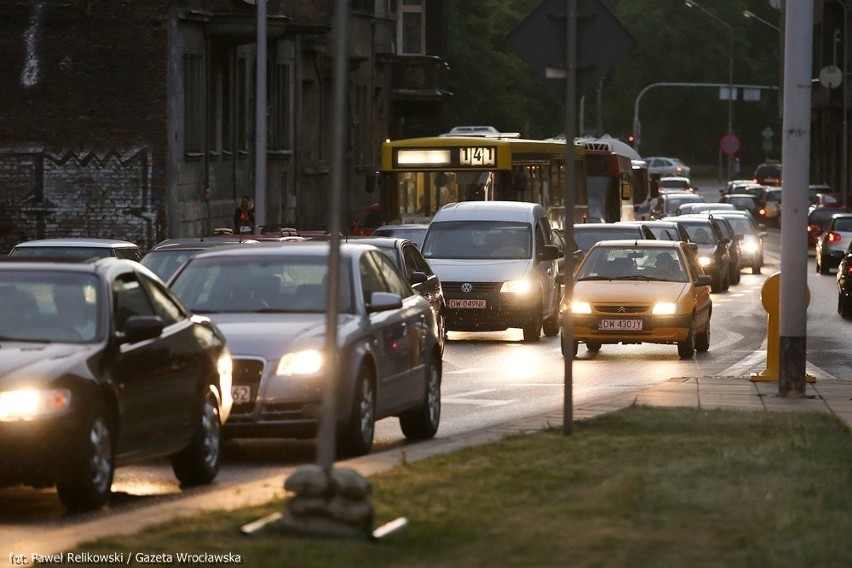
(674, 44)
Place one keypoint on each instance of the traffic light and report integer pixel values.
(631, 139)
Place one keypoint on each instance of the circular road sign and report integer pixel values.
(730, 143)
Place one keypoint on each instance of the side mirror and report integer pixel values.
(417, 277)
(549, 252)
(140, 328)
(383, 301)
(704, 280)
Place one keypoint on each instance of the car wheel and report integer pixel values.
(532, 330)
(356, 438)
(702, 341)
(734, 277)
(198, 463)
(716, 284)
(593, 346)
(823, 269)
(422, 422)
(844, 308)
(551, 326)
(87, 481)
(686, 348)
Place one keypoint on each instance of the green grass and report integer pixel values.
(644, 487)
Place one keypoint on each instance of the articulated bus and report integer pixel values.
(616, 180)
(420, 175)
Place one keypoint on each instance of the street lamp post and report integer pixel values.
(844, 161)
(693, 4)
(751, 15)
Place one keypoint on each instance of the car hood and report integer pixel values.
(25, 362)
(270, 335)
(490, 270)
(629, 291)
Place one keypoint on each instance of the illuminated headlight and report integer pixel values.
(749, 245)
(581, 307)
(31, 404)
(307, 362)
(520, 287)
(706, 260)
(664, 309)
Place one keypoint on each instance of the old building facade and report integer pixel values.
(136, 120)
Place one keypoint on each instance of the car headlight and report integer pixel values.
(519, 287)
(306, 362)
(706, 260)
(664, 309)
(31, 404)
(749, 245)
(226, 375)
(581, 307)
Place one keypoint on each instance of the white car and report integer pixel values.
(664, 166)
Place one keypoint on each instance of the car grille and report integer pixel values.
(621, 309)
(455, 288)
(247, 372)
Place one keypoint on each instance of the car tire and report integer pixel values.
(593, 346)
(551, 326)
(823, 269)
(686, 348)
(702, 341)
(734, 277)
(844, 308)
(532, 330)
(86, 482)
(716, 284)
(422, 422)
(356, 437)
(198, 463)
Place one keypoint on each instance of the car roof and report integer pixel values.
(647, 243)
(192, 243)
(304, 248)
(78, 242)
(488, 211)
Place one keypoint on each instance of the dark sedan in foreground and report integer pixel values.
(270, 302)
(101, 365)
(844, 285)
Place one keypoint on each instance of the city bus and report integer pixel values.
(420, 175)
(616, 180)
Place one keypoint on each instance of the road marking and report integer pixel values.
(463, 398)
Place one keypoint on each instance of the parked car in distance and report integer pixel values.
(750, 234)
(78, 248)
(414, 232)
(832, 244)
(667, 203)
(270, 303)
(667, 166)
(587, 234)
(101, 365)
(712, 249)
(497, 264)
(742, 201)
(768, 173)
(167, 256)
(640, 292)
(844, 285)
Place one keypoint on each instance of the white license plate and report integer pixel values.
(468, 304)
(620, 325)
(241, 393)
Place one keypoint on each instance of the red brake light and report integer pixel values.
(832, 237)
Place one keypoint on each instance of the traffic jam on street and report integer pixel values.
(172, 320)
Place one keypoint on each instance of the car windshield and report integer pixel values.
(478, 240)
(42, 306)
(700, 233)
(251, 283)
(742, 226)
(413, 235)
(588, 236)
(672, 203)
(164, 263)
(632, 263)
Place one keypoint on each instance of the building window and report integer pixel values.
(222, 104)
(278, 127)
(193, 103)
(243, 101)
(364, 6)
(411, 23)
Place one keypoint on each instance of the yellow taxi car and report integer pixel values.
(640, 291)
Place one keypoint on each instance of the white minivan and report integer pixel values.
(497, 265)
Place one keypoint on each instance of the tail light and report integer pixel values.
(832, 237)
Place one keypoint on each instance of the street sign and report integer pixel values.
(730, 143)
(602, 41)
